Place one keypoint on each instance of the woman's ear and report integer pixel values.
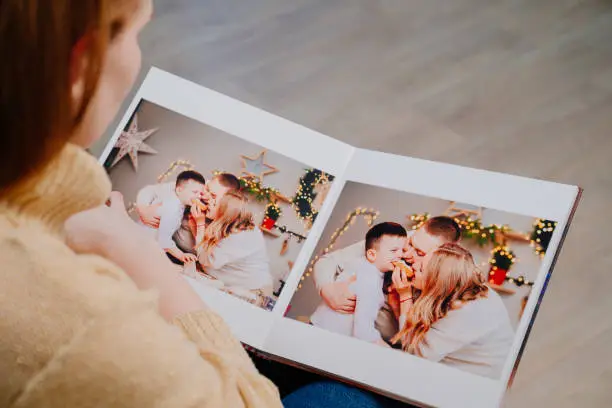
(78, 69)
(371, 255)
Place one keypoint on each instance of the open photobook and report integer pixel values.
(414, 279)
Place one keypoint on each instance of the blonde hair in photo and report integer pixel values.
(451, 279)
(233, 216)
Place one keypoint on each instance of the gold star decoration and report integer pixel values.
(256, 167)
(131, 142)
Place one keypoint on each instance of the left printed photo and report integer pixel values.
(229, 214)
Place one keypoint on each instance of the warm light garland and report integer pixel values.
(417, 220)
(370, 216)
(173, 166)
(305, 194)
(502, 257)
(519, 281)
(471, 228)
(541, 235)
(254, 188)
(273, 211)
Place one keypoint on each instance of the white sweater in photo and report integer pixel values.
(241, 261)
(476, 337)
(368, 287)
(170, 212)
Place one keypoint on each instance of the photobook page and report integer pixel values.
(230, 192)
(448, 266)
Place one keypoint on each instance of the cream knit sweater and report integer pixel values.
(76, 332)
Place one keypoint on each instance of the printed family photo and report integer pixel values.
(442, 280)
(228, 213)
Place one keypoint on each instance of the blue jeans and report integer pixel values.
(331, 394)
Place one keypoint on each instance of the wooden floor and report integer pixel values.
(519, 86)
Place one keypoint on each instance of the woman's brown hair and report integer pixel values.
(38, 39)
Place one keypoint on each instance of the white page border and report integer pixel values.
(397, 374)
(503, 192)
(238, 119)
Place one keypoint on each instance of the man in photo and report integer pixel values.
(339, 296)
(364, 275)
(169, 202)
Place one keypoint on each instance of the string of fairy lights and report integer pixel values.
(502, 257)
(541, 235)
(370, 216)
(305, 194)
(254, 187)
(183, 164)
(273, 211)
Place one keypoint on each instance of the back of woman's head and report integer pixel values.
(53, 53)
(233, 211)
(452, 273)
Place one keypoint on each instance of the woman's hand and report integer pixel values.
(109, 232)
(188, 258)
(401, 284)
(198, 215)
(98, 230)
(393, 300)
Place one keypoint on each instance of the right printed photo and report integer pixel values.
(439, 279)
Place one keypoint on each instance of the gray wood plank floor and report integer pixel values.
(519, 86)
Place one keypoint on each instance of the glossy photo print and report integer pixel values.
(230, 214)
(438, 279)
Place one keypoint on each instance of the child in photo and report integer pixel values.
(384, 245)
(173, 198)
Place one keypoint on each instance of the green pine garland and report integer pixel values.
(541, 235)
(305, 194)
(257, 190)
(502, 258)
(273, 211)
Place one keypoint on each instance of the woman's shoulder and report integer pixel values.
(251, 235)
(481, 307)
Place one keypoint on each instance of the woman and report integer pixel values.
(453, 317)
(92, 314)
(232, 249)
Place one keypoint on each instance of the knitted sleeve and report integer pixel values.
(128, 356)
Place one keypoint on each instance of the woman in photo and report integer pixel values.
(232, 249)
(449, 315)
(92, 313)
